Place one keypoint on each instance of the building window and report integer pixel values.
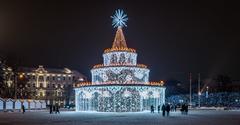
(59, 86)
(47, 77)
(40, 77)
(53, 85)
(28, 85)
(58, 78)
(73, 78)
(34, 94)
(41, 85)
(64, 78)
(48, 85)
(53, 77)
(59, 94)
(34, 85)
(41, 93)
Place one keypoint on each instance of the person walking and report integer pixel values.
(152, 109)
(168, 109)
(163, 110)
(182, 109)
(54, 109)
(50, 109)
(158, 108)
(57, 109)
(171, 107)
(23, 109)
(186, 109)
(175, 108)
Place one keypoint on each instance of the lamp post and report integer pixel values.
(199, 101)
(199, 91)
(190, 89)
(207, 92)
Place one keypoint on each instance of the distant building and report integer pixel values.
(8, 76)
(52, 85)
(6, 80)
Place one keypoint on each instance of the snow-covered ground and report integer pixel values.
(203, 117)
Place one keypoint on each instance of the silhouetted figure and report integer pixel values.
(168, 109)
(57, 109)
(50, 109)
(171, 107)
(186, 109)
(152, 109)
(163, 110)
(182, 108)
(158, 108)
(54, 108)
(175, 108)
(23, 109)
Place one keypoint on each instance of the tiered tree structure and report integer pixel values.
(120, 84)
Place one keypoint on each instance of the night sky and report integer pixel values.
(172, 38)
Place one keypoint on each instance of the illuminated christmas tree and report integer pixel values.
(119, 84)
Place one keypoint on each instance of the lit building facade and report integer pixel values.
(52, 85)
(120, 84)
(6, 80)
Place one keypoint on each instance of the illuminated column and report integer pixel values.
(90, 104)
(163, 97)
(76, 100)
(83, 100)
(114, 105)
(37, 84)
(159, 99)
(141, 103)
(114, 91)
(45, 81)
(80, 102)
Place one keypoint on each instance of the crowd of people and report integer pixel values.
(170, 107)
(164, 108)
(184, 109)
(54, 108)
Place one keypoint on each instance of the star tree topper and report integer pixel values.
(119, 19)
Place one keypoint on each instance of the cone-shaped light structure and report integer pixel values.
(119, 40)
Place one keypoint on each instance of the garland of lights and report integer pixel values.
(121, 57)
(118, 98)
(120, 75)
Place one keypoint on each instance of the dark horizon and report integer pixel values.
(172, 39)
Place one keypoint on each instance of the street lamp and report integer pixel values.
(207, 92)
(199, 96)
(20, 76)
(199, 90)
